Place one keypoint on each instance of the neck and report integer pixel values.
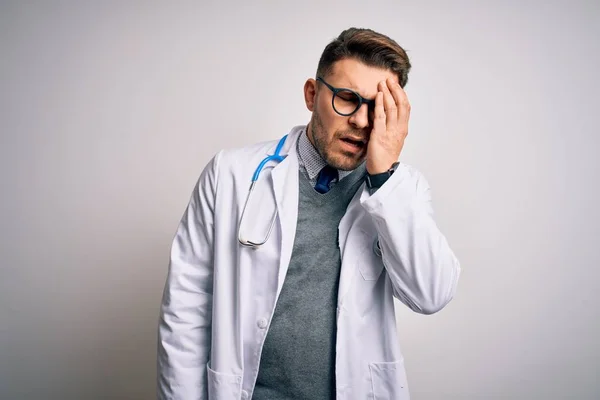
(309, 134)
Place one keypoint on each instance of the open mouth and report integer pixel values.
(356, 144)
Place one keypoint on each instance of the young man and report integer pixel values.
(309, 314)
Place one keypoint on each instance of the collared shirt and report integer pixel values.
(311, 162)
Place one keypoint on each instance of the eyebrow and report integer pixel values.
(352, 87)
(366, 97)
(357, 90)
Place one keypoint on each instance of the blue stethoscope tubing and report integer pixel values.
(274, 157)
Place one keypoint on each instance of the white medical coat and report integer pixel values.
(220, 296)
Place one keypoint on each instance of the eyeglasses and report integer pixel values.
(346, 102)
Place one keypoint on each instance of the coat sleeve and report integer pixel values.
(184, 332)
(421, 265)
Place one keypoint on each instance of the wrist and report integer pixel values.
(376, 180)
(378, 168)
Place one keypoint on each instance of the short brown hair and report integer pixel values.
(372, 48)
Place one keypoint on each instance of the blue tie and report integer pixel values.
(327, 174)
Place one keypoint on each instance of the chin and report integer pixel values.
(344, 162)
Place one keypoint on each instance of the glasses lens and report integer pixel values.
(345, 102)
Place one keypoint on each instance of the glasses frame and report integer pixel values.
(361, 100)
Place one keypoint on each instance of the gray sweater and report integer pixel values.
(298, 357)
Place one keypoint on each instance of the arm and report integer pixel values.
(184, 334)
(422, 268)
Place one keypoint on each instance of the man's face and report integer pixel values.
(342, 140)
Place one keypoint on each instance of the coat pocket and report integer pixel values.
(223, 386)
(389, 381)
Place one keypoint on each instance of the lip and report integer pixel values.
(355, 139)
(353, 147)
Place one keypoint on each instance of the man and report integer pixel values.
(309, 314)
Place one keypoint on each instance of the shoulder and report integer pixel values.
(232, 162)
(230, 158)
(234, 155)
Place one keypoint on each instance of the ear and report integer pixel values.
(310, 93)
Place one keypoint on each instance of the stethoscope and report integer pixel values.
(276, 157)
(255, 244)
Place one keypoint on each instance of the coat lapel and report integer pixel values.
(286, 188)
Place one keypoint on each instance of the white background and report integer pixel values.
(110, 110)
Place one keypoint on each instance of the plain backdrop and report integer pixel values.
(109, 111)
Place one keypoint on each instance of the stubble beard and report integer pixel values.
(320, 142)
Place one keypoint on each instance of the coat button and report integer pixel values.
(262, 323)
(244, 394)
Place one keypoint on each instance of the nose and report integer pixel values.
(360, 119)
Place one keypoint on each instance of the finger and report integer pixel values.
(389, 104)
(379, 114)
(401, 100)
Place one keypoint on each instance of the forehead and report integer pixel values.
(353, 74)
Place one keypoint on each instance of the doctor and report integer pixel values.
(295, 299)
